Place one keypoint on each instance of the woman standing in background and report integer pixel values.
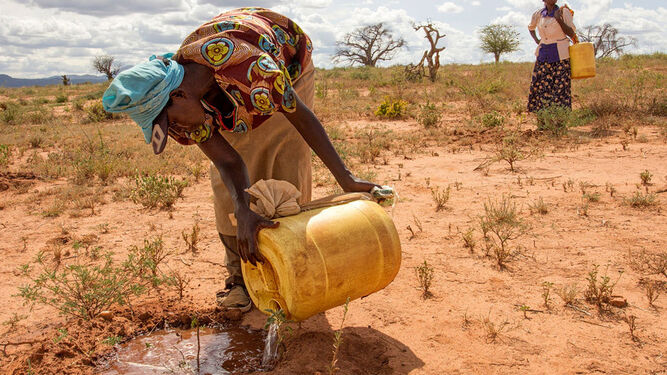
(551, 83)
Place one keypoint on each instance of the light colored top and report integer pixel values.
(551, 32)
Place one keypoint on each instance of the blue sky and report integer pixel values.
(50, 37)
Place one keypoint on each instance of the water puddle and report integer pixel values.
(221, 351)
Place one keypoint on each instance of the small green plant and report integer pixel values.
(539, 207)
(392, 108)
(546, 294)
(338, 340)
(61, 98)
(425, 277)
(646, 177)
(600, 288)
(524, 308)
(145, 262)
(14, 320)
(276, 325)
(642, 200)
(195, 324)
(499, 225)
(652, 289)
(113, 340)
(631, 320)
(429, 115)
(510, 151)
(492, 120)
(192, 239)
(62, 333)
(591, 197)
(440, 197)
(157, 191)
(179, 281)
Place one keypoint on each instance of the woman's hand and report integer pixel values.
(248, 226)
(353, 184)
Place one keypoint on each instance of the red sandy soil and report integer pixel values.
(395, 331)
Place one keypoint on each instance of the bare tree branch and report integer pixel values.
(432, 55)
(106, 65)
(367, 46)
(605, 39)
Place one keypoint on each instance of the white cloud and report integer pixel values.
(526, 5)
(450, 7)
(105, 8)
(475, 3)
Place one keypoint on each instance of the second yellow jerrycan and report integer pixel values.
(317, 259)
(582, 60)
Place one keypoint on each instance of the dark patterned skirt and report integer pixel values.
(551, 85)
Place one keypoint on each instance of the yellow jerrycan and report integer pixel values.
(318, 258)
(582, 60)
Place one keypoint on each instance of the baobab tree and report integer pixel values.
(367, 46)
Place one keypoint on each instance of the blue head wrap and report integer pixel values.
(143, 90)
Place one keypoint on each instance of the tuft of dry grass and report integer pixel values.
(425, 274)
(440, 196)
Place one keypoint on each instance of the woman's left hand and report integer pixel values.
(355, 184)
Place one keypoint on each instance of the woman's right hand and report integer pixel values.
(248, 226)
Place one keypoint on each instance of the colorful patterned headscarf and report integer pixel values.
(143, 90)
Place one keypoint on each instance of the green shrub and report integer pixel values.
(11, 114)
(82, 290)
(96, 113)
(554, 120)
(429, 115)
(640, 200)
(157, 191)
(392, 108)
(492, 120)
(61, 98)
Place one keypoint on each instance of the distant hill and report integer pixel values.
(8, 81)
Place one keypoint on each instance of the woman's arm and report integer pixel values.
(566, 29)
(235, 176)
(535, 38)
(312, 131)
